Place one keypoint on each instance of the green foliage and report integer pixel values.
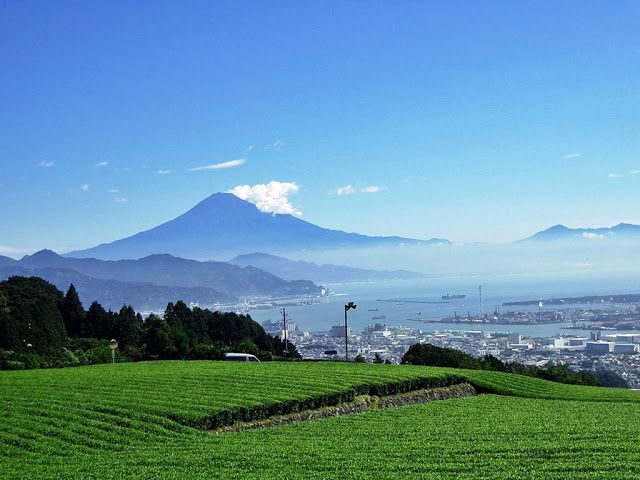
(34, 317)
(427, 354)
(99, 323)
(128, 327)
(157, 339)
(246, 346)
(31, 320)
(431, 355)
(212, 351)
(73, 313)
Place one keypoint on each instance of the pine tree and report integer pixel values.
(98, 323)
(73, 313)
(128, 326)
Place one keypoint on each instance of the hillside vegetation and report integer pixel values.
(41, 327)
(146, 420)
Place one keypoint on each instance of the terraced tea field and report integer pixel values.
(146, 420)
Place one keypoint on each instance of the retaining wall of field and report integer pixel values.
(362, 403)
(267, 410)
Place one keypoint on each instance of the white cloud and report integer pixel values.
(350, 190)
(249, 148)
(592, 236)
(121, 199)
(346, 190)
(218, 166)
(163, 172)
(44, 164)
(272, 197)
(102, 164)
(572, 155)
(113, 190)
(614, 175)
(85, 187)
(635, 172)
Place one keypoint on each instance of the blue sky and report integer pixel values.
(473, 121)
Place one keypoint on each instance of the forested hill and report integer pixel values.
(42, 327)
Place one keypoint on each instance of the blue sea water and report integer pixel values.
(400, 297)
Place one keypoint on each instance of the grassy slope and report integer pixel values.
(132, 420)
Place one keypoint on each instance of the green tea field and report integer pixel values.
(149, 420)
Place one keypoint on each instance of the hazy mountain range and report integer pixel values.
(560, 232)
(223, 225)
(152, 281)
(328, 273)
(113, 294)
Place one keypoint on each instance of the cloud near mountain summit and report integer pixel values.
(272, 197)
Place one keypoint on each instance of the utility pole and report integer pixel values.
(481, 305)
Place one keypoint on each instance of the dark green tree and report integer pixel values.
(157, 338)
(377, 358)
(98, 323)
(128, 327)
(427, 354)
(31, 320)
(246, 346)
(73, 313)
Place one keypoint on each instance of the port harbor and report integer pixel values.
(597, 333)
(614, 317)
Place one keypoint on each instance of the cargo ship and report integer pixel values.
(452, 297)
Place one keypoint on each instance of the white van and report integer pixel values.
(240, 357)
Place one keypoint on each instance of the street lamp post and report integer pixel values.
(284, 325)
(113, 344)
(347, 307)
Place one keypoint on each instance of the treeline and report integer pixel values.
(42, 327)
(427, 354)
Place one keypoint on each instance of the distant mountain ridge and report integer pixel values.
(223, 225)
(176, 272)
(160, 277)
(561, 232)
(328, 273)
(112, 294)
(6, 260)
